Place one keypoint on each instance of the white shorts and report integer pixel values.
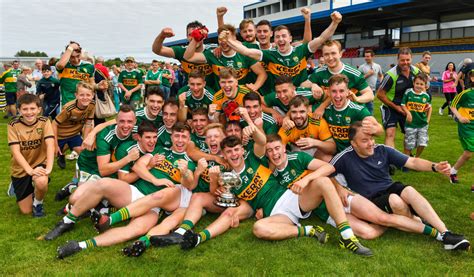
(288, 205)
(347, 210)
(136, 194)
(185, 196)
(84, 177)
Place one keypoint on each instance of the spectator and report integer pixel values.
(48, 90)
(36, 75)
(449, 78)
(22, 82)
(372, 73)
(424, 66)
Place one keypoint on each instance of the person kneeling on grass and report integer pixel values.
(31, 141)
(260, 190)
(365, 166)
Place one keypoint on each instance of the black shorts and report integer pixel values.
(23, 186)
(11, 98)
(381, 199)
(390, 118)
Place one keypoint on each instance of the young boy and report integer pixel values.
(417, 105)
(76, 116)
(31, 141)
(47, 89)
(463, 109)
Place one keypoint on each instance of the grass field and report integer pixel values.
(238, 252)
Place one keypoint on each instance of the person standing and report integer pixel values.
(372, 74)
(9, 79)
(449, 88)
(424, 67)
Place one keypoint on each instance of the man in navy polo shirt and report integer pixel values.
(365, 166)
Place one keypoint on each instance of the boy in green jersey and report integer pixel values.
(9, 80)
(130, 82)
(153, 76)
(463, 109)
(166, 180)
(416, 103)
(194, 96)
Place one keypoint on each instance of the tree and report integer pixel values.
(110, 62)
(24, 53)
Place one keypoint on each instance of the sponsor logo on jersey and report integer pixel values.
(130, 82)
(416, 107)
(339, 132)
(188, 67)
(167, 168)
(241, 72)
(256, 184)
(72, 73)
(280, 69)
(30, 144)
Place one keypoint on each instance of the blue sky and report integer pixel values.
(110, 28)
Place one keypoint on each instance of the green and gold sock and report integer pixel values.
(119, 216)
(203, 236)
(90, 243)
(345, 230)
(430, 231)
(186, 225)
(70, 218)
(146, 240)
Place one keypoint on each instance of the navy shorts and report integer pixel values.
(72, 142)
(11, 98)
(390, 118)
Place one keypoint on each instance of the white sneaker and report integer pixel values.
(440, 111)
(72, 156)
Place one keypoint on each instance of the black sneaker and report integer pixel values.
(61, 161)
(453, 178)
(60, 228)
(101, 221)
(38, 210)
(190, 240)
(70, 248)
(65, 191)
(355, 246)
(165, 240)
(455, 242)
(319, 233)
(136, 249)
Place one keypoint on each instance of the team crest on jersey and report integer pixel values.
(295, 59)
(424, 100)
(250, 170)
(293, 172)
(239, 64)
(348, 119)
(39, 130)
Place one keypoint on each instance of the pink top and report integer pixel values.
(448, 86)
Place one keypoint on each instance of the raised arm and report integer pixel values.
(66, 56)
(308, 34)
(255, 54)
(191, 55)
(220, 12)
(158, 47)
(314, 44)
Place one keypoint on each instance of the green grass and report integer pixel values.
(238, 252)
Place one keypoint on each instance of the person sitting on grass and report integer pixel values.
(365, 166)
(31, 142)
(463, 109)
(416, 103)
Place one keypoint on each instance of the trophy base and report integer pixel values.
(226, 202)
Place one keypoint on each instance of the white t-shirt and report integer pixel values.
(372, 79)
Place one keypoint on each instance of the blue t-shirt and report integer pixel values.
(368, 176)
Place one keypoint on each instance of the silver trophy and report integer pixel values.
(228, 180)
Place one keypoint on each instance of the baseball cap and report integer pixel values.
(129, 59)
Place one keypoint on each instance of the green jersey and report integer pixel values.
(269, 124)
(417, 104)
(123, 150)
(166, 169)
(193, 103)
(153, 76)
(8, 79)
(165, 81)
(189, 66)
(141, 116)
(200, 142)
(295, 169)
(204, 180)
(340, 120)
(107, 143)
(70, 76)
(164, 137)
(357, 81)
(271, 100)
(292, 64)
(237, 61)
(464, 103)
(259, 187)
(130, 80)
